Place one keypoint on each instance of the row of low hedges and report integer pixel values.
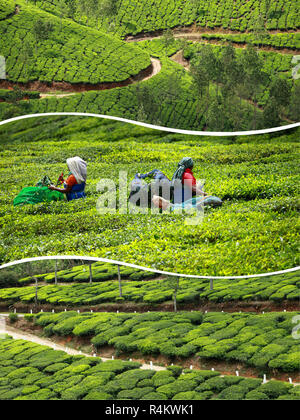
(195, 291)
(132, 17)
(262, 341)
(30, 371)
(279, 40)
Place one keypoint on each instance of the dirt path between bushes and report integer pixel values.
(198, 36)
(18, 334)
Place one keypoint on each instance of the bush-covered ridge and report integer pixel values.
(136, 16)
(33, 372)
(65, 52)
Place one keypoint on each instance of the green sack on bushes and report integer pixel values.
(38, 194)
(34, 195)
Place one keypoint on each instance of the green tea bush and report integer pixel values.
(274, 389)
(88, 378)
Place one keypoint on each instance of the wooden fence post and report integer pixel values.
(119, 278)
(175, 295)
(211, 284)
(55, 271)
(36, 290)
(91, 274)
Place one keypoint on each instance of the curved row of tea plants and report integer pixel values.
(81, 274)
(132, 17)
(39, 46)
(262, 341)
(153, 292)
(33, 372)
(255, 231)
(166, 99)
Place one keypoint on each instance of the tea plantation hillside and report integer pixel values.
(170, 98)
(41, 47)
(71, 46)
(30, 371)
(255, 231)
(132, 17)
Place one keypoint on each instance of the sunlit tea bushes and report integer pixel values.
(30, 371)
(133, 17)
(277, 289)
(277, 40)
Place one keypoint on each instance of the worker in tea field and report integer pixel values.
(182, 188)
(187, 192)
(183, 183)
(74, 185)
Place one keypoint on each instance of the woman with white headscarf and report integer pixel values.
(74, 185)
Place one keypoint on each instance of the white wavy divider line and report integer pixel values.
(157, 127)
(166, 273)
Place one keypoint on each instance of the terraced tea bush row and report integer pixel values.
(81, 274)
(256, 177)
(154, 101)
(33, 372)
(257, 340)
(132, 17)
(153, 292)
(64, 51)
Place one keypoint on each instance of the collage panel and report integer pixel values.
(102, 188)
(149, 203)
(195, 65)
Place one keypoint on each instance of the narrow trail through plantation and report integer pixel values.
(198, 37)
(22, 335)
